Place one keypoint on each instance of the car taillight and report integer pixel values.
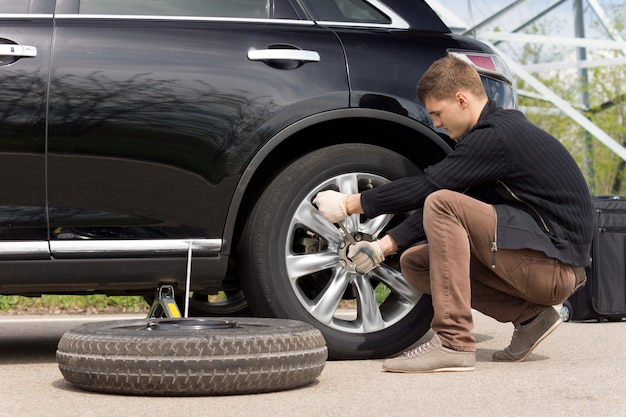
(485, 63)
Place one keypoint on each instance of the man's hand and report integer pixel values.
(366, 256)
(332, 205)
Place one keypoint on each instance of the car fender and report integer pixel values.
(275, 141)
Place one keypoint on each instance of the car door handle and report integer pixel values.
(283, 54)
(18, 50)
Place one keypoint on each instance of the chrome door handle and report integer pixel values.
(18, 50)
(283, 54)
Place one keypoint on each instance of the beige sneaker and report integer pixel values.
(432, 357)
(526, 338)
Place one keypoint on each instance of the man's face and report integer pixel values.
(451, 114)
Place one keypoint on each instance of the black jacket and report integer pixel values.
(542, 200)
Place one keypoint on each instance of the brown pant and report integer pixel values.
(455, 267)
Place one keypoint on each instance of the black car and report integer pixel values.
(147, 143)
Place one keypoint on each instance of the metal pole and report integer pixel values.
(188, 280)
(581, 54)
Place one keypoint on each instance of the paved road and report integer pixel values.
(577, 371)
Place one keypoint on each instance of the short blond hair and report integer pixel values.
(447, 76)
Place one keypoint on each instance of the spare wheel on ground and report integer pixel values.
(195, 356)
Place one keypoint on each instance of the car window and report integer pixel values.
(355, 11)
(14, 6)
(202, 8)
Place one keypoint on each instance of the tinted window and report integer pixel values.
(201, 8)
(14, 6)
(357, 11)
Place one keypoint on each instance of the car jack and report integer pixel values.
(164, 304)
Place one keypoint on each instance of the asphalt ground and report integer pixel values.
(578, 371)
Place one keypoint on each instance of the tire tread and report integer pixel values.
(111, 359)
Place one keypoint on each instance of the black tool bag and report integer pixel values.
(604, 296)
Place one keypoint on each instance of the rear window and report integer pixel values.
(354, 11)
(197, 8)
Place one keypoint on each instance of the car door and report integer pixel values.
(156, 107)
(25, 38)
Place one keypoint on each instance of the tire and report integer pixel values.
(294, 265)
(190, 357)
(566, 311)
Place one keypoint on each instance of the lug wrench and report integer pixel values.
(345, 232)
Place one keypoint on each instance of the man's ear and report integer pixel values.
(462, 99)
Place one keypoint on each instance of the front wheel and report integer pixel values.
(294, 262)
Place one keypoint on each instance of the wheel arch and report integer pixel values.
(416, 141)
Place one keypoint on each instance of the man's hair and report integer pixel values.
(447, 76)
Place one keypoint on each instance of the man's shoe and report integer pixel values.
(431, 356)
(527, 337)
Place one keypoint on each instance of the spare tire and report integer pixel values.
(197, 356)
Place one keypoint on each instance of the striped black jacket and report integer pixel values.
(541, 197)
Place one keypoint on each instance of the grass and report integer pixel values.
(55, 304)
(381, 291)
(97, 303)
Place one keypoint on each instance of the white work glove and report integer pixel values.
(332, 205)
(366, 255)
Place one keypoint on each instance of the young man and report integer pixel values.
(507, 216)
